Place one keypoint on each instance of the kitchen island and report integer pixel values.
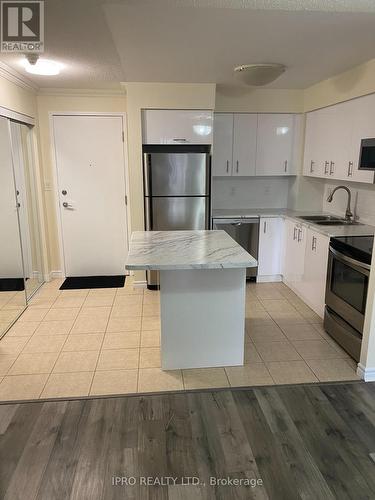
(202, 294)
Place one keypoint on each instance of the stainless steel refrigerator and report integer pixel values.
(177, 189)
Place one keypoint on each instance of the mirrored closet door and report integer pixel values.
(21, 272)
(28, 216)
(12, 283)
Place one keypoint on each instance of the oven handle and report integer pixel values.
(349, 260)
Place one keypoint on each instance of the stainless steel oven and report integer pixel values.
(346, 291)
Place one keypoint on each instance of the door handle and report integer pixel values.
(67, 205)
(237, 166)
(331, 167)
(312, 163)
(265, 227)
(299, 235)
(227, 166)
(285, 165)
(294, 233)
(326, 163)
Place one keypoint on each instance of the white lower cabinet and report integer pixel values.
(305, 264)
(294, 255)
(270, 244)
(314, 278)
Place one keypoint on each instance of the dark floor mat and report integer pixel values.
(12, 284)
(77, 282)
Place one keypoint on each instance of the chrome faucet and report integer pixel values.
(348, 212)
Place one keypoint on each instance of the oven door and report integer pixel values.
(347, 285)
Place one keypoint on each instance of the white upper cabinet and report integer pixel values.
(312, 161)
(177, 126)
(333, 137)
(222, 152)
(244, 144)
(250, 144)
(234, 146)
(275, 143)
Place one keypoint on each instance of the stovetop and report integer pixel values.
(357, 247)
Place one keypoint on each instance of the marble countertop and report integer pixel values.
(171, 250)
(331, 231)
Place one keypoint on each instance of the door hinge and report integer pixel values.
(123, 136)
(126, 200)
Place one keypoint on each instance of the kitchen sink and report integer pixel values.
(323, 218)
(339, 222)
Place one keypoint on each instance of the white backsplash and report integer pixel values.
(363, 200)
(250, 192)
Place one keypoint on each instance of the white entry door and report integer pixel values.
(91, 183)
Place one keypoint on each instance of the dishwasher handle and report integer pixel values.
(236, 221)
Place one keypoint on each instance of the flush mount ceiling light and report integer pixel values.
(37, 66)
(259, 74)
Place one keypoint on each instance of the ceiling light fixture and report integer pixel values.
(44, 67)
(259, 74)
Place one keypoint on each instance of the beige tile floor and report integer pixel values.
(107, 341)
(11, 305)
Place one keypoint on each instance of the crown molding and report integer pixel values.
(13, 76)
(47, 91)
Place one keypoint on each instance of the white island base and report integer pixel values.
(202, 318)
(202, 294)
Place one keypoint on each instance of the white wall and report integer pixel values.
(250, 192)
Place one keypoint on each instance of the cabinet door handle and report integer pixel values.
(312, 163)
(313, 245)
(264, 227)
(295, 233)
(227, 166)
(326, 163)
(331, 167)
(237, 166)
(285, 165)
(299, 235)
(350, 169)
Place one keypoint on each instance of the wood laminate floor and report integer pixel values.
(310, 442)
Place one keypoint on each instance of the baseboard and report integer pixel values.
(366, 374)
(53, 275)
(140, 284)
(269, 279)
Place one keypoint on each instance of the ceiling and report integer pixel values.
(103, 43)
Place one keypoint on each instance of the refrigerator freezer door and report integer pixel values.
(177, 214)
(177, 174)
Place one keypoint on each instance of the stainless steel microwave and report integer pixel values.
(367, 155)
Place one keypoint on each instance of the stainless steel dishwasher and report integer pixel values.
(246, 232)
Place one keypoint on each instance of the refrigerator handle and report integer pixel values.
(147, 173)
(148, 213)
(208, 191)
